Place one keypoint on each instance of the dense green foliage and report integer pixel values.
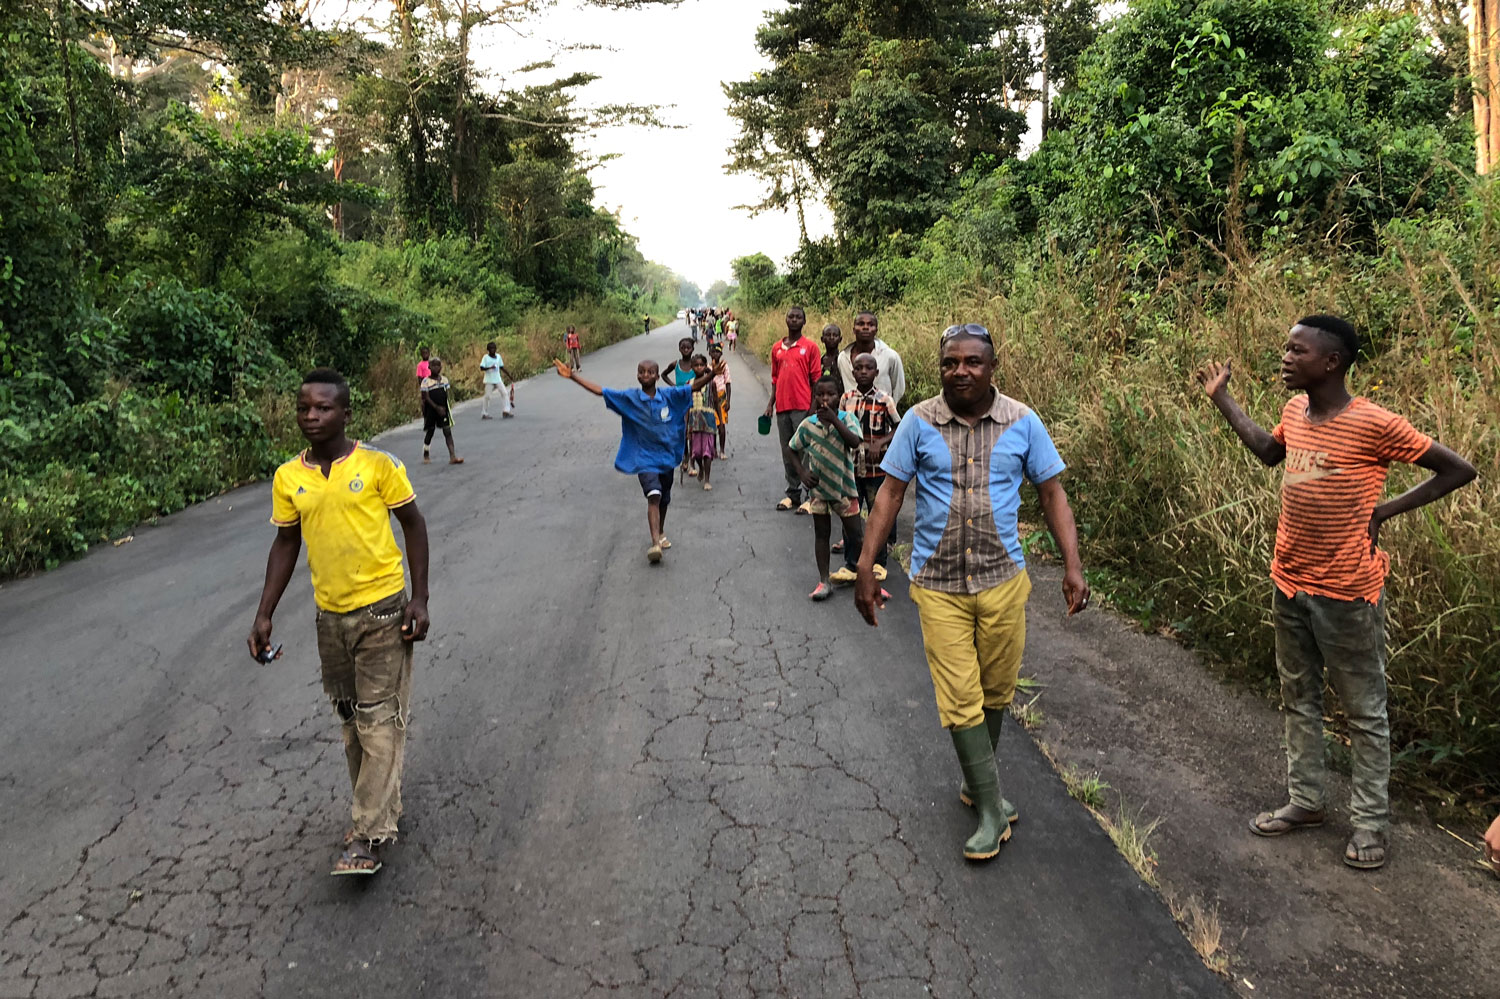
(1213, 170)
(178, 242)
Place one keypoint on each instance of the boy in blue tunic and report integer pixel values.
(653, 424)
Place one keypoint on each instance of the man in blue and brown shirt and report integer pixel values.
(968, 450)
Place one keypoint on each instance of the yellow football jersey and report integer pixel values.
(346, 523)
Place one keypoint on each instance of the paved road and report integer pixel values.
(684, 780)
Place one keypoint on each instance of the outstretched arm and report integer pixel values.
(1449, 472)
(566, 372)
(708, 375)
(1214, 378)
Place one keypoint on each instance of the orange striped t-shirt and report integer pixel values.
(1335, 473)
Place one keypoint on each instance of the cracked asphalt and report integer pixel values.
(681, 781)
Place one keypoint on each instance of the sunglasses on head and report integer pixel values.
(966, 329)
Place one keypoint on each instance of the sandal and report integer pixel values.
(358, 858)
(785, 504)
(823, 592)
(838, 546)
(1365, 850)
(1287, 818)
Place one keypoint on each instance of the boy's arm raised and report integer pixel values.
(1214, 378)
(566, 372)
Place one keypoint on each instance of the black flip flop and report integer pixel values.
(357, 852)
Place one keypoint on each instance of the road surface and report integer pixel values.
(684, 780)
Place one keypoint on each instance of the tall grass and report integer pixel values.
(1177, 519)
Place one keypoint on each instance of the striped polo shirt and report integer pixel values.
(826, 456)
(969, 489)
(1334, 475)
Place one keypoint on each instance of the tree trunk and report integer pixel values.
(1484, 66)
(1046, 78)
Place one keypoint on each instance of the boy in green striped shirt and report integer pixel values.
(822, 447)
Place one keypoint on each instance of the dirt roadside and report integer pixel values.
(1202, 756)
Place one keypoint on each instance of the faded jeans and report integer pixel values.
(786, 425)
(1344, 639)
(367, 676)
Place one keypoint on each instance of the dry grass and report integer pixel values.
(1200, 924)
(1178, 519)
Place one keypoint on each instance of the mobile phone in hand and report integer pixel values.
(269, 653)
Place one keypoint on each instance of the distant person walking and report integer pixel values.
(795, 366)
(890, 373)
(646, 321)
(493, 366)
(436, 413)
(424, 366)
(575, 347)
(339, 495)
(1328, 604)
(968, 450)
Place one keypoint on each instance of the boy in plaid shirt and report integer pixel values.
(876, 411)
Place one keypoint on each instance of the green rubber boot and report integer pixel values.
(977, 759)
(993, 717)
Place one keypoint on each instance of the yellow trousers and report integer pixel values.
(974, 643)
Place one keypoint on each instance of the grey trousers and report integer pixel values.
(1344, 641)
(786, 425)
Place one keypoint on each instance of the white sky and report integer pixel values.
(669, 184)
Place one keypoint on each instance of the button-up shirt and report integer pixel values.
(890, 374)
(969, 489)
(878, 417)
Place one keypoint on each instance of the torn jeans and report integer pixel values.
(367, 676)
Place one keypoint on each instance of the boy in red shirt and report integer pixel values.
(796, 364)
(1328, 605)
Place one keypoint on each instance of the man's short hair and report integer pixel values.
(489, 345)
(648, 363)
(1339, 330)
(328, 376)
(827, 378)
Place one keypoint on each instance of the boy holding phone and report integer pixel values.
(340, 495)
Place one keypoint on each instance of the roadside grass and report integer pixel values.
(1201, 925)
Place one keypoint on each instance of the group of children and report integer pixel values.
(837, 452)
(718, 326)
(433, 390)
(706, 428)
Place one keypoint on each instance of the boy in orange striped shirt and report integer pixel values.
(1328, 607)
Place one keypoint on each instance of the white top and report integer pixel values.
(890, 375)
(491, 367)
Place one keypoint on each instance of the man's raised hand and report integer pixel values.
(1214, 377)
(563, 371)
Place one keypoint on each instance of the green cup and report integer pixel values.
(764, 425)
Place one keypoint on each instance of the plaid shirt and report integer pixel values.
(877, 415)
(968, 484)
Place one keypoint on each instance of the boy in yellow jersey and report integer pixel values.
(339, 495)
